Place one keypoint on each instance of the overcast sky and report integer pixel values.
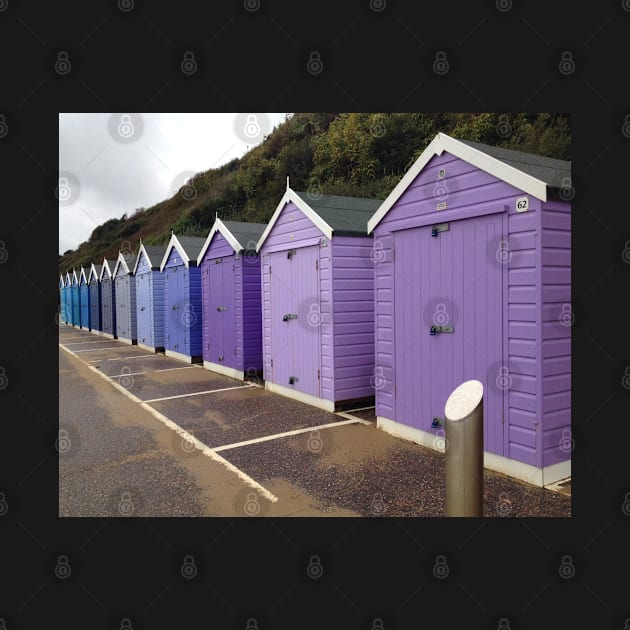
(111, 164)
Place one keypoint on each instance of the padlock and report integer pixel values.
(504, 5)
(504, 129)
(566, 441)
(63, 441)
(504, 379)
(252, 128)
(189, 568)
(378, 504)
(378, 624)
(314, 443)
(440, 63)
(315, 569)
(378, 5)
(625, 506)
(4, 379)
(189, 64)
(440, 190)
(626, 378)
(566, 315)
(567, 64)
(125, 129)
(503, 255)
(62, 568)
(503, 624)
(4, 128)
(440, 316)
(315, 65)
(440, 568)
(64, 192)
(125, 505)
(251, 624)
(62, 64)
(314, 317)
(125, 5)
(125, 379)
(252, 5)
(567, 568)
(625, 128)
(567, 191)
(252, 506)
(4, 506)
(125, 624)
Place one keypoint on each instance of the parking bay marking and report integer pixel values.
(185, 367)
(203, 448)
(266, 438)
(210, 391)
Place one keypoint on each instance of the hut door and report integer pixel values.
(295, 319)
(453, 280)
(172, 309)
(214, 346)
(142, 304)
(227, 314)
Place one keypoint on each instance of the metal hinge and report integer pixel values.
(318, 375)
(317, 264)
(271, 362)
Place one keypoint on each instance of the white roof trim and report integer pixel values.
(68, 279)
(288, 196)
(120, 260)
(174, 242)
(83, 275)
(135, 267)
(62, 280)
(219, 226)
(75, 277)
(481, 160)
(105, 267)
(92, 273)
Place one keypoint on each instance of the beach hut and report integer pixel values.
(62, 299)
(95, 298)
(231, 303)
(68, 297)
(108, 299)
(125, 299)
(317, 293)
(473, 281)
(149, 297)
(76, 300)
(182, 298)
(84, 296)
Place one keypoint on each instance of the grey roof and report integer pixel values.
(549, 170)
(98, 268)
(155, 254)
(111, 264)
(345, 215)
(192, 245)
(247, 234)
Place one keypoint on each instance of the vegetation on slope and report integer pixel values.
(362, 155)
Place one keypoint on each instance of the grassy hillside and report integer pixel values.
(345, 154)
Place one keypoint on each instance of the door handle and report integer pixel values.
(289, 316)
(222, 308)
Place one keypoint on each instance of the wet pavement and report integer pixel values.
(120, 451)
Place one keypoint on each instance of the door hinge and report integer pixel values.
(271, 362)
(318, 375)
(317, 264)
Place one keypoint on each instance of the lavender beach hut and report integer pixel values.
(317, 293)
(473, 281)
(95, 298)
(125, 298)
(182, 298)
(108, 299)
(231, 302)
(150, 297)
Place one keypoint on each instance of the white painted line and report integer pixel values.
(266, 438)
(136, 356)
(209, 452)
(78, 343)
(343, 414)
(210, 391)
(99, 349)
(205, 450)
(186, 367)
(359, 409)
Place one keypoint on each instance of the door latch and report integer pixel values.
(434, 330)
(221, 308)
(293, 380)
(289, 316)
(220, 357)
